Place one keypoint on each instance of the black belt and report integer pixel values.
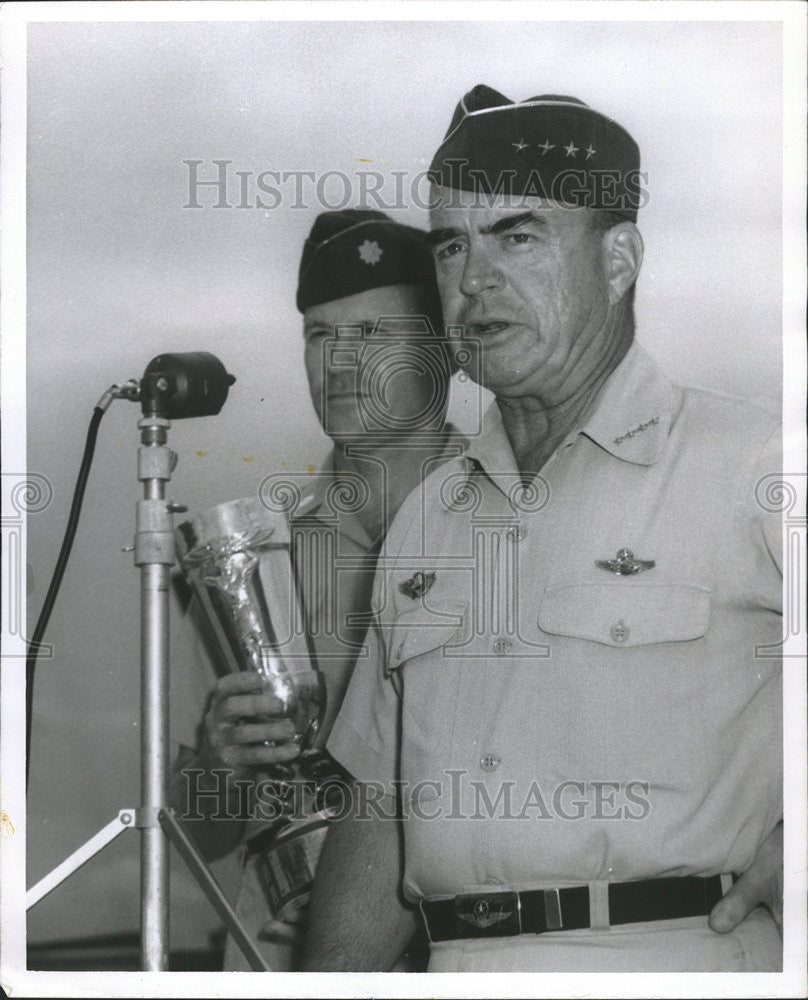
(503, 914)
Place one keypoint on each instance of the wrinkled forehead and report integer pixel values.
(451, 207)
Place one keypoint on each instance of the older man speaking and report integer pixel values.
(569, 708)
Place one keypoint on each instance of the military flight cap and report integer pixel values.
(357, 249)
(550, 146)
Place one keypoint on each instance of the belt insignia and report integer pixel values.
(624, 564)
(417, 585)
(483, 916)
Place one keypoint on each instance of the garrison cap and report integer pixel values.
(550, 146)
(355, 250)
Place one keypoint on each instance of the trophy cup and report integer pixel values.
(237, 558)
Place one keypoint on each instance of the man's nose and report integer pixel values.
(480, 273)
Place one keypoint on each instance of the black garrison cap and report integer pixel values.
(550, 146)
(355, 250)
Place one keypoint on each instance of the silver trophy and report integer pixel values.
(237, 558)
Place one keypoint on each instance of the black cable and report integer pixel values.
(56, 580)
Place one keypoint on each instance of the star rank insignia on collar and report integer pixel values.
(370, 252)
(625, 564)
(417, 585)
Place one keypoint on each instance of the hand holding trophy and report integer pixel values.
(237, 557)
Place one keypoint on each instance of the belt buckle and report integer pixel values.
(488, 914)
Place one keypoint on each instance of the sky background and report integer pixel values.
(119, 270)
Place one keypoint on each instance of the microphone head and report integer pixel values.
(175, 386)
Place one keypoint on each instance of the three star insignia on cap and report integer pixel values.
(417, 585)
(370, 252)
(625, 564)
(546, 146)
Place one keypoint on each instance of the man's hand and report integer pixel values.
(243, 731)
(762, 884)
(244, 726)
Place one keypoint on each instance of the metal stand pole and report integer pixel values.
(154, 554)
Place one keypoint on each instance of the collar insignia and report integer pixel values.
(625, 564)
(417, 585)
(636, 430)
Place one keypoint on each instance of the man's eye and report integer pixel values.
(519, 238)
(449, 250)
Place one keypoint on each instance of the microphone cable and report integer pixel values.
(114, 392)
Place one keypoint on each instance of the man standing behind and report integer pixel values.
(378, 371)
(588, 744)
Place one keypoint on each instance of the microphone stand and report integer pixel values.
(154, 554)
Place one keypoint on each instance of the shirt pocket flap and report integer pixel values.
(413, 633)
(630, 614)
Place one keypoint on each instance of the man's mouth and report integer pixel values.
(483, 329)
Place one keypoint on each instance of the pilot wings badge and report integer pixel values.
(483, 916)
(417, 585)
(625, 564)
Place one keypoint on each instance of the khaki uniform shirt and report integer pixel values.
(553, 722)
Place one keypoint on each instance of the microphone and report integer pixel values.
(176, 386)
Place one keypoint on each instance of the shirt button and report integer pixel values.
(501, 647)
(620, 631)
(490, 762)
(516, 532)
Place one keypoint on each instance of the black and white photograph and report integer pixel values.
(403, 499)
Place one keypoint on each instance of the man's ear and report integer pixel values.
(623, 250)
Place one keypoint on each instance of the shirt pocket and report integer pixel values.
(419, 661)
(421, 632)
(627, 614)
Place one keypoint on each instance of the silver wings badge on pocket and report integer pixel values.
(417, 585)
(624, 564)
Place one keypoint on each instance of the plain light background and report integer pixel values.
(119, 271)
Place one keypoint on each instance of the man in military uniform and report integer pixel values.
(378, 372)
(574, 693)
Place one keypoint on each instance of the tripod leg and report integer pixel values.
(212, 890)
(123, 821)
